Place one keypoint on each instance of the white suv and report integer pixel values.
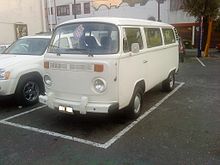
(21, 69)
(3, 47)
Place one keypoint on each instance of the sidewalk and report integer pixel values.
(212, 52)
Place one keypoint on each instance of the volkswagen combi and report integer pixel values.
(100, 64)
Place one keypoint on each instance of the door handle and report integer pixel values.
(145, 61)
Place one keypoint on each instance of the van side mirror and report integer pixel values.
(135, 48)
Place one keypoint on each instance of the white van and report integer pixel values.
(108, 65)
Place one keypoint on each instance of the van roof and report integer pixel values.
(118, 21)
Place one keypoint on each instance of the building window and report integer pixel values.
(63, 10)
(21, 30)
(77, 9)
(87, 8)
(51, 11)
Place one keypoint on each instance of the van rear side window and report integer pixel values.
(169, 37)
(153, 37)
(131, 35)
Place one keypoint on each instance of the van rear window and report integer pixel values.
(169, 36)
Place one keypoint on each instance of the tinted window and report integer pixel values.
(28, 46)
(153, 37)
(169, 37)
(131, 35)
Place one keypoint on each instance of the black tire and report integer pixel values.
(134, 108)
(168, 84)
(28, 91)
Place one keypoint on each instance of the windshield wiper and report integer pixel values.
(87, 51)
(55, 49)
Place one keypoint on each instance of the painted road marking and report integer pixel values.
(55, 134)
(23, 113)
(130, 126)
(84, 141)
(200, 62)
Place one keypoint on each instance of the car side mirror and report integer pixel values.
(135, 48)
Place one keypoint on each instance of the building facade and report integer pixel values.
(59, 11)
(19, 18)
(169, 11)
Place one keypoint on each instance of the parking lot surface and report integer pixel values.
(180, 127)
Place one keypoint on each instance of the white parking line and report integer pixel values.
(53, 134)
(88, 142)
(200, 62)
(23, 113)
(130, 126)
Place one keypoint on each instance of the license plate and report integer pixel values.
(65, 109)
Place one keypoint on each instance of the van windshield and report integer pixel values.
(85, 38)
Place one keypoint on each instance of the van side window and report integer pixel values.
(153, 37)
(169, 37)
(131, 35)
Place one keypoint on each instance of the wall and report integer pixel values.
(180, 17)
(19, 11)
(124, 10)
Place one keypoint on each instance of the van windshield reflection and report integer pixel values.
(85, 38)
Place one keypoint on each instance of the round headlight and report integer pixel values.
(99, 85)
(47, 80)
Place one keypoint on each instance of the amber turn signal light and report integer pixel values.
(98, 67)
(46, 65)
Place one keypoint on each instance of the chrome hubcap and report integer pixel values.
(171, 81)
(137, 104)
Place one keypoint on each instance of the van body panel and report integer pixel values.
(75, 77)
(129, 74)
(161, 61)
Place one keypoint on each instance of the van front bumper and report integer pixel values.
(83, 106)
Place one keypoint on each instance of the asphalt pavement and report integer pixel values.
(181, 127)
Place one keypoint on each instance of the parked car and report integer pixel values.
(187, 43)
(182, 51)
(3, 47)
(218, 46)
(21, 69)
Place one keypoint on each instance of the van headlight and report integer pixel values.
(99, 85)
(4, 75)
(47, 80)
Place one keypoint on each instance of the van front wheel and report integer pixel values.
(134, 108)
(168, 84)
